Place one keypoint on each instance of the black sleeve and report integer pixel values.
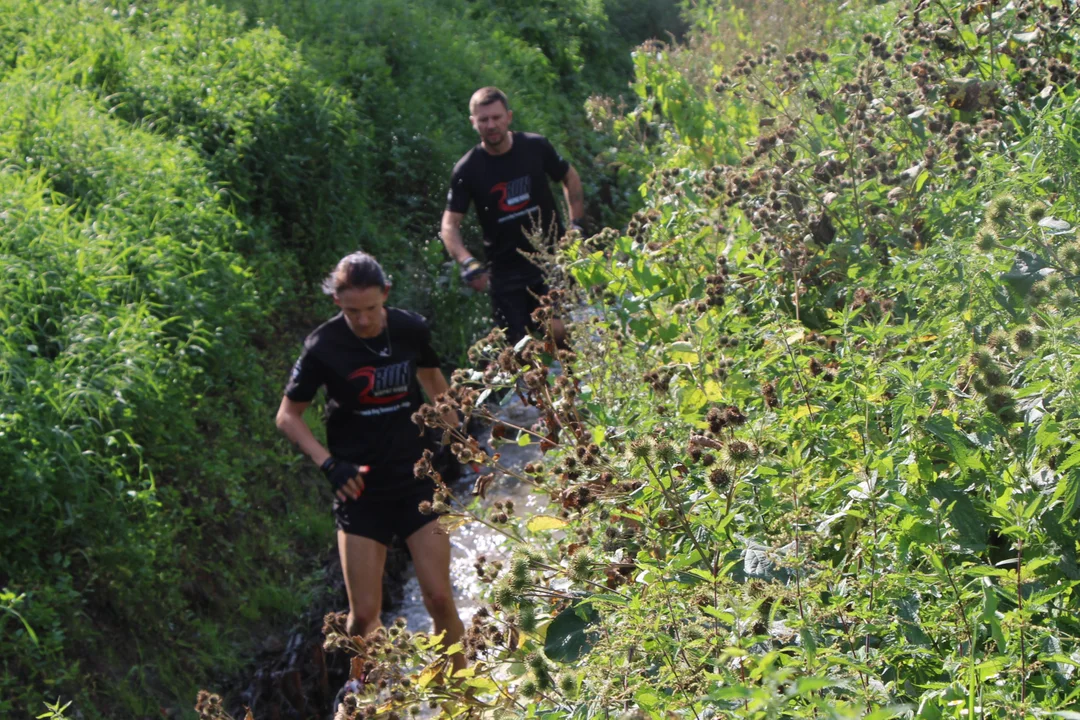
(427, 357)
(555, 165)
(306, 378)
(457, 200)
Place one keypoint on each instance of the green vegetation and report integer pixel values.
(173, 176)
(412, 87)
(814, 452)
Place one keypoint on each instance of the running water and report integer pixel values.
(474, 539)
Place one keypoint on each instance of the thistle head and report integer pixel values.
(720, 479)
(1001, 209)
(999, 340)
(985, 239)
(1024, 339)
(642, 448)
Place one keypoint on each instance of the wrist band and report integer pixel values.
(328, 464)
(470, 268)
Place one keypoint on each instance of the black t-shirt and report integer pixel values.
(370, 396)
(512, 198)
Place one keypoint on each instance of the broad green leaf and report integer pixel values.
(647, 698)
(1055, 225)
(569, 636)
(1070, 496)
(810, 684)
(806, 637)
(944, 430)
(989, 615)
(804, 410)
(429, 674)
(1025, 272)
(1071, 460)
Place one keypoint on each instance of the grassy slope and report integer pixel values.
(172, 179)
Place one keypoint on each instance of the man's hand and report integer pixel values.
(345, 478)
(474, 274)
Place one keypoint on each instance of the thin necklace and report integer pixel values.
(385, 352)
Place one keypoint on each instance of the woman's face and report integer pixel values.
(363, 309)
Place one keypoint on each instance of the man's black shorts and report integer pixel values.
(513, 309)
(382, 515)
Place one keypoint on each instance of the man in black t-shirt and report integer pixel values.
(506, 177)
(373, 361)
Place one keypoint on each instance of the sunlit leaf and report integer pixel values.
(541, 523)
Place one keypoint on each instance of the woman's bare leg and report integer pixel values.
(362, 561)
(430, 550)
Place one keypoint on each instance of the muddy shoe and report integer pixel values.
(342, 704)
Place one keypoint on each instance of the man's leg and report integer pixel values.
(510, 309)
(362, 561)
(558, 329)
(430, 550)
(513, 310)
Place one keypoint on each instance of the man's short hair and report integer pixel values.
(486, 96)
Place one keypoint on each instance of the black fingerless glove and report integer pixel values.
(471, 268)
(338, 472)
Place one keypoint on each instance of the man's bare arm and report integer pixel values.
(574, 194)
(451, 237)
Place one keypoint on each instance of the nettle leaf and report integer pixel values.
(540, 523)
(756, 562)
(569, 636)
(1026, 271)
(1071, 460)
(959, 446)
(1069, 493)
(968, 522)
(962, 514)
(1048, 435)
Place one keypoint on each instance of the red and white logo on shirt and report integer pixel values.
(382, 385)
(513, 195)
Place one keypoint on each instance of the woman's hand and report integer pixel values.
(345, 478)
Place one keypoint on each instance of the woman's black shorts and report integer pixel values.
(383, 513)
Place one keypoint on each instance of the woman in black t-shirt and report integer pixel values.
(373, 361)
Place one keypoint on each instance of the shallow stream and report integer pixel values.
(473, 540)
